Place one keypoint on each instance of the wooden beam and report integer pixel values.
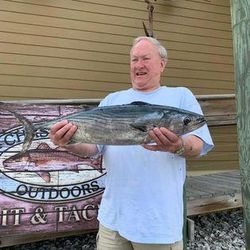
(218, 109)
(28, 238)
(241, 42)
(213, 204)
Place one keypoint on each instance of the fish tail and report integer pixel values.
(30, 130)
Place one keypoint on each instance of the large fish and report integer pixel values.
(126, 124)
(44, 160)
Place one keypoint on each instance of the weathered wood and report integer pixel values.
(218, 109)
(213, 192)
(28, 238)
(80, 49)
(241, 42)
(214, 204)
(190, 229)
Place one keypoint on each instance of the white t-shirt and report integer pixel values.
(143, 198)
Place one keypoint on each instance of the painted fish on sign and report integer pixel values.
(43, 160)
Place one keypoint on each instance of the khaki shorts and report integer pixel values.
(111, 240)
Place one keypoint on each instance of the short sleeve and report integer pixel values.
(189, 102)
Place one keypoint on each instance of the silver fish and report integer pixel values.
(44, 160)
(126, 124)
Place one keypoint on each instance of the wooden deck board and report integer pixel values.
(213, 187)
(213, 192)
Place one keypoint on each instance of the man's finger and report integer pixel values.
(151, 147)
(157, 135)
(63, 131)
(57, 126)
(172, 137)
(68, 135)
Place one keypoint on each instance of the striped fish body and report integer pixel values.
(126, 124)
(129, 124)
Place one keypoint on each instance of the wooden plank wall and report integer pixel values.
(221, 116)
(79, 49)
(225, 153)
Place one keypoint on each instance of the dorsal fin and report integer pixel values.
(139, 103)
(43, 145)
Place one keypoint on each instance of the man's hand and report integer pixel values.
(165, 140)
(62, 132)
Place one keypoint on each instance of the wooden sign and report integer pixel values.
(46, 189)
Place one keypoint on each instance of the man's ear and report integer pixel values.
(163, 64)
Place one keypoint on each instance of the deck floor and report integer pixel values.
(213, 192)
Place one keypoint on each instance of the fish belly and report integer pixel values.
(110, 133)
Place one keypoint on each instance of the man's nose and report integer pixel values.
(140, 63)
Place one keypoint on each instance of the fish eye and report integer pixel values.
(186, 121)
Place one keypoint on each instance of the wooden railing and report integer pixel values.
(218, 109)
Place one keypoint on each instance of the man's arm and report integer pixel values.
(192, 146)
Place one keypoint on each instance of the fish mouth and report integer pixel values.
(200, 121)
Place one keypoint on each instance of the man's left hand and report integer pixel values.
(165, 140)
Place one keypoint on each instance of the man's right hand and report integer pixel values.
(61, 132)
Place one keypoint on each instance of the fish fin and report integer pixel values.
(147, 122)
(142, 128)
(72, 141)
(96, 167)
(96, 163)
(43, 145)
(75, 168)
(139, 103)
(45, 176)
(29, 130)
(61, 149)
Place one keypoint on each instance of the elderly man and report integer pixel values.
(142, 206)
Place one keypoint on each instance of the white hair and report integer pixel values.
(161, 49)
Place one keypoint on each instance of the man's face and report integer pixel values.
(146, 66)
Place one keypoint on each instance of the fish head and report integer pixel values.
(183, 122)
(16, 162)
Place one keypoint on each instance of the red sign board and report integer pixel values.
(46, 189)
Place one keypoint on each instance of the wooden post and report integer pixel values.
(240, 12)
(184, 230)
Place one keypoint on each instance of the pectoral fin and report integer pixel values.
(45, 176)
(76, 168)
(140, 127)
(147, 122)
